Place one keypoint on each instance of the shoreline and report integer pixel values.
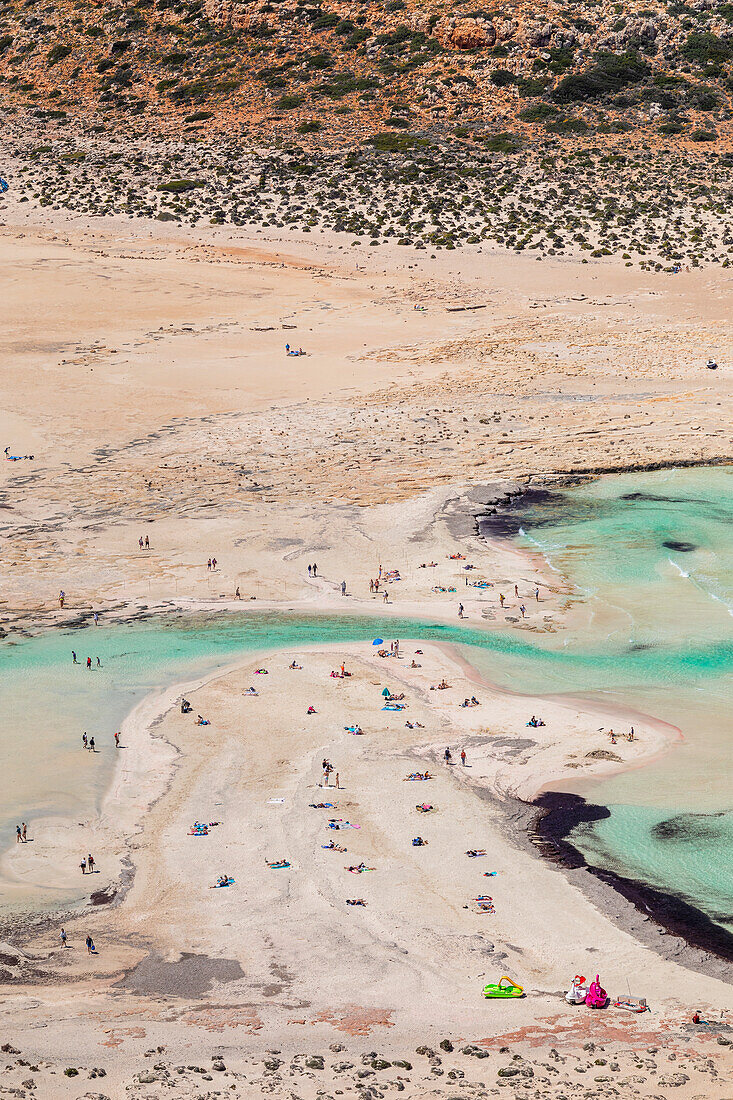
(543, 820)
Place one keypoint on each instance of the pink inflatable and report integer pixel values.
(596, 996)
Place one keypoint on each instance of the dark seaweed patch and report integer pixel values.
(680, 547)
(686, 827)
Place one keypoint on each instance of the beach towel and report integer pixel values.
(220, 885)
(279, 866)
(394, 706)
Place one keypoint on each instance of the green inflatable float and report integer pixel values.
(505, 987)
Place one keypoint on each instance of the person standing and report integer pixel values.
(502, 597)
(516, 591)
(91, 745)
(83, 865)
(237, 595)
(62, 937)
(338, 787)
(460, 611)
(24, 832)
(208, 565)
(523, 609)
(90, 863)
(73, 658)
(147, 542)
(62, 597)
(537, 595)
(343, 588)
(90, 945)
(315, 570)
(213, 563)
(463, 757)
(89, 663)
(447, 756)
(96, 618)
(117, 739)
(17, 834)
(140, 542)
(84, 740)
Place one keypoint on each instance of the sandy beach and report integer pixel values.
(158, 401)
(280, 952)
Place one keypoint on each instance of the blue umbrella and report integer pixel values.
(378, 641)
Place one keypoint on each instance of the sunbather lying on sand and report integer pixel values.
(474, 852)
(261, 672)
(472, 702)
(250, 691)
(355, 901)
(223, 880)
(295, 665)
(278, 865)
(414, 725)
(334, 847)
(200, 721)
(417, 777)
(359, 868)
(424, 807)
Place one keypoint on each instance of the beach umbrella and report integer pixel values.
(386, 693)
(378, 641)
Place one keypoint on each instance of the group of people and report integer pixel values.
(448, 757)
(91, 949)
(75, 660)
(87, 864)
(144, 543)
(630, 736)
(21, 833)
(211, 564)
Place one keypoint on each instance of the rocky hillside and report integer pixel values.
(505, 75)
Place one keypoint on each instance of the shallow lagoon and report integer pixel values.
(656, 635)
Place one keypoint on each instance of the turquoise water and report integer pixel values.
(671, 823)
(655, 634)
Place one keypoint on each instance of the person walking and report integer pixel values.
(90, 863)
(501, 599)
(460, 611)
(73, 658)
(99, 662)
(24, 832)
(17, 834)
(343, 588)
(96, 618)
(463, 757)
(117, 739)
(447, 756)
(315, 570)
(90, 945)
(208, 565)
(62, 597)
(62, 937)
(147, 542)
(84, 740)
(83, 865)
(516, 591)
(213, 563)
(337, 785)
(523, 609)
(89, 663)
(537, 595)
(91, 745)
(140, 542)
(237, 595)
(310, 570)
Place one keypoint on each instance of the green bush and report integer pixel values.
(539, 112)
(5, 41)
(199, 116)
(608, 75)
(290, 102)
(703, 135)
(395, 143)
(706, 48)
(58, 53)
(503, 142)
(310, 127)
(501, 77)
(177, 187)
